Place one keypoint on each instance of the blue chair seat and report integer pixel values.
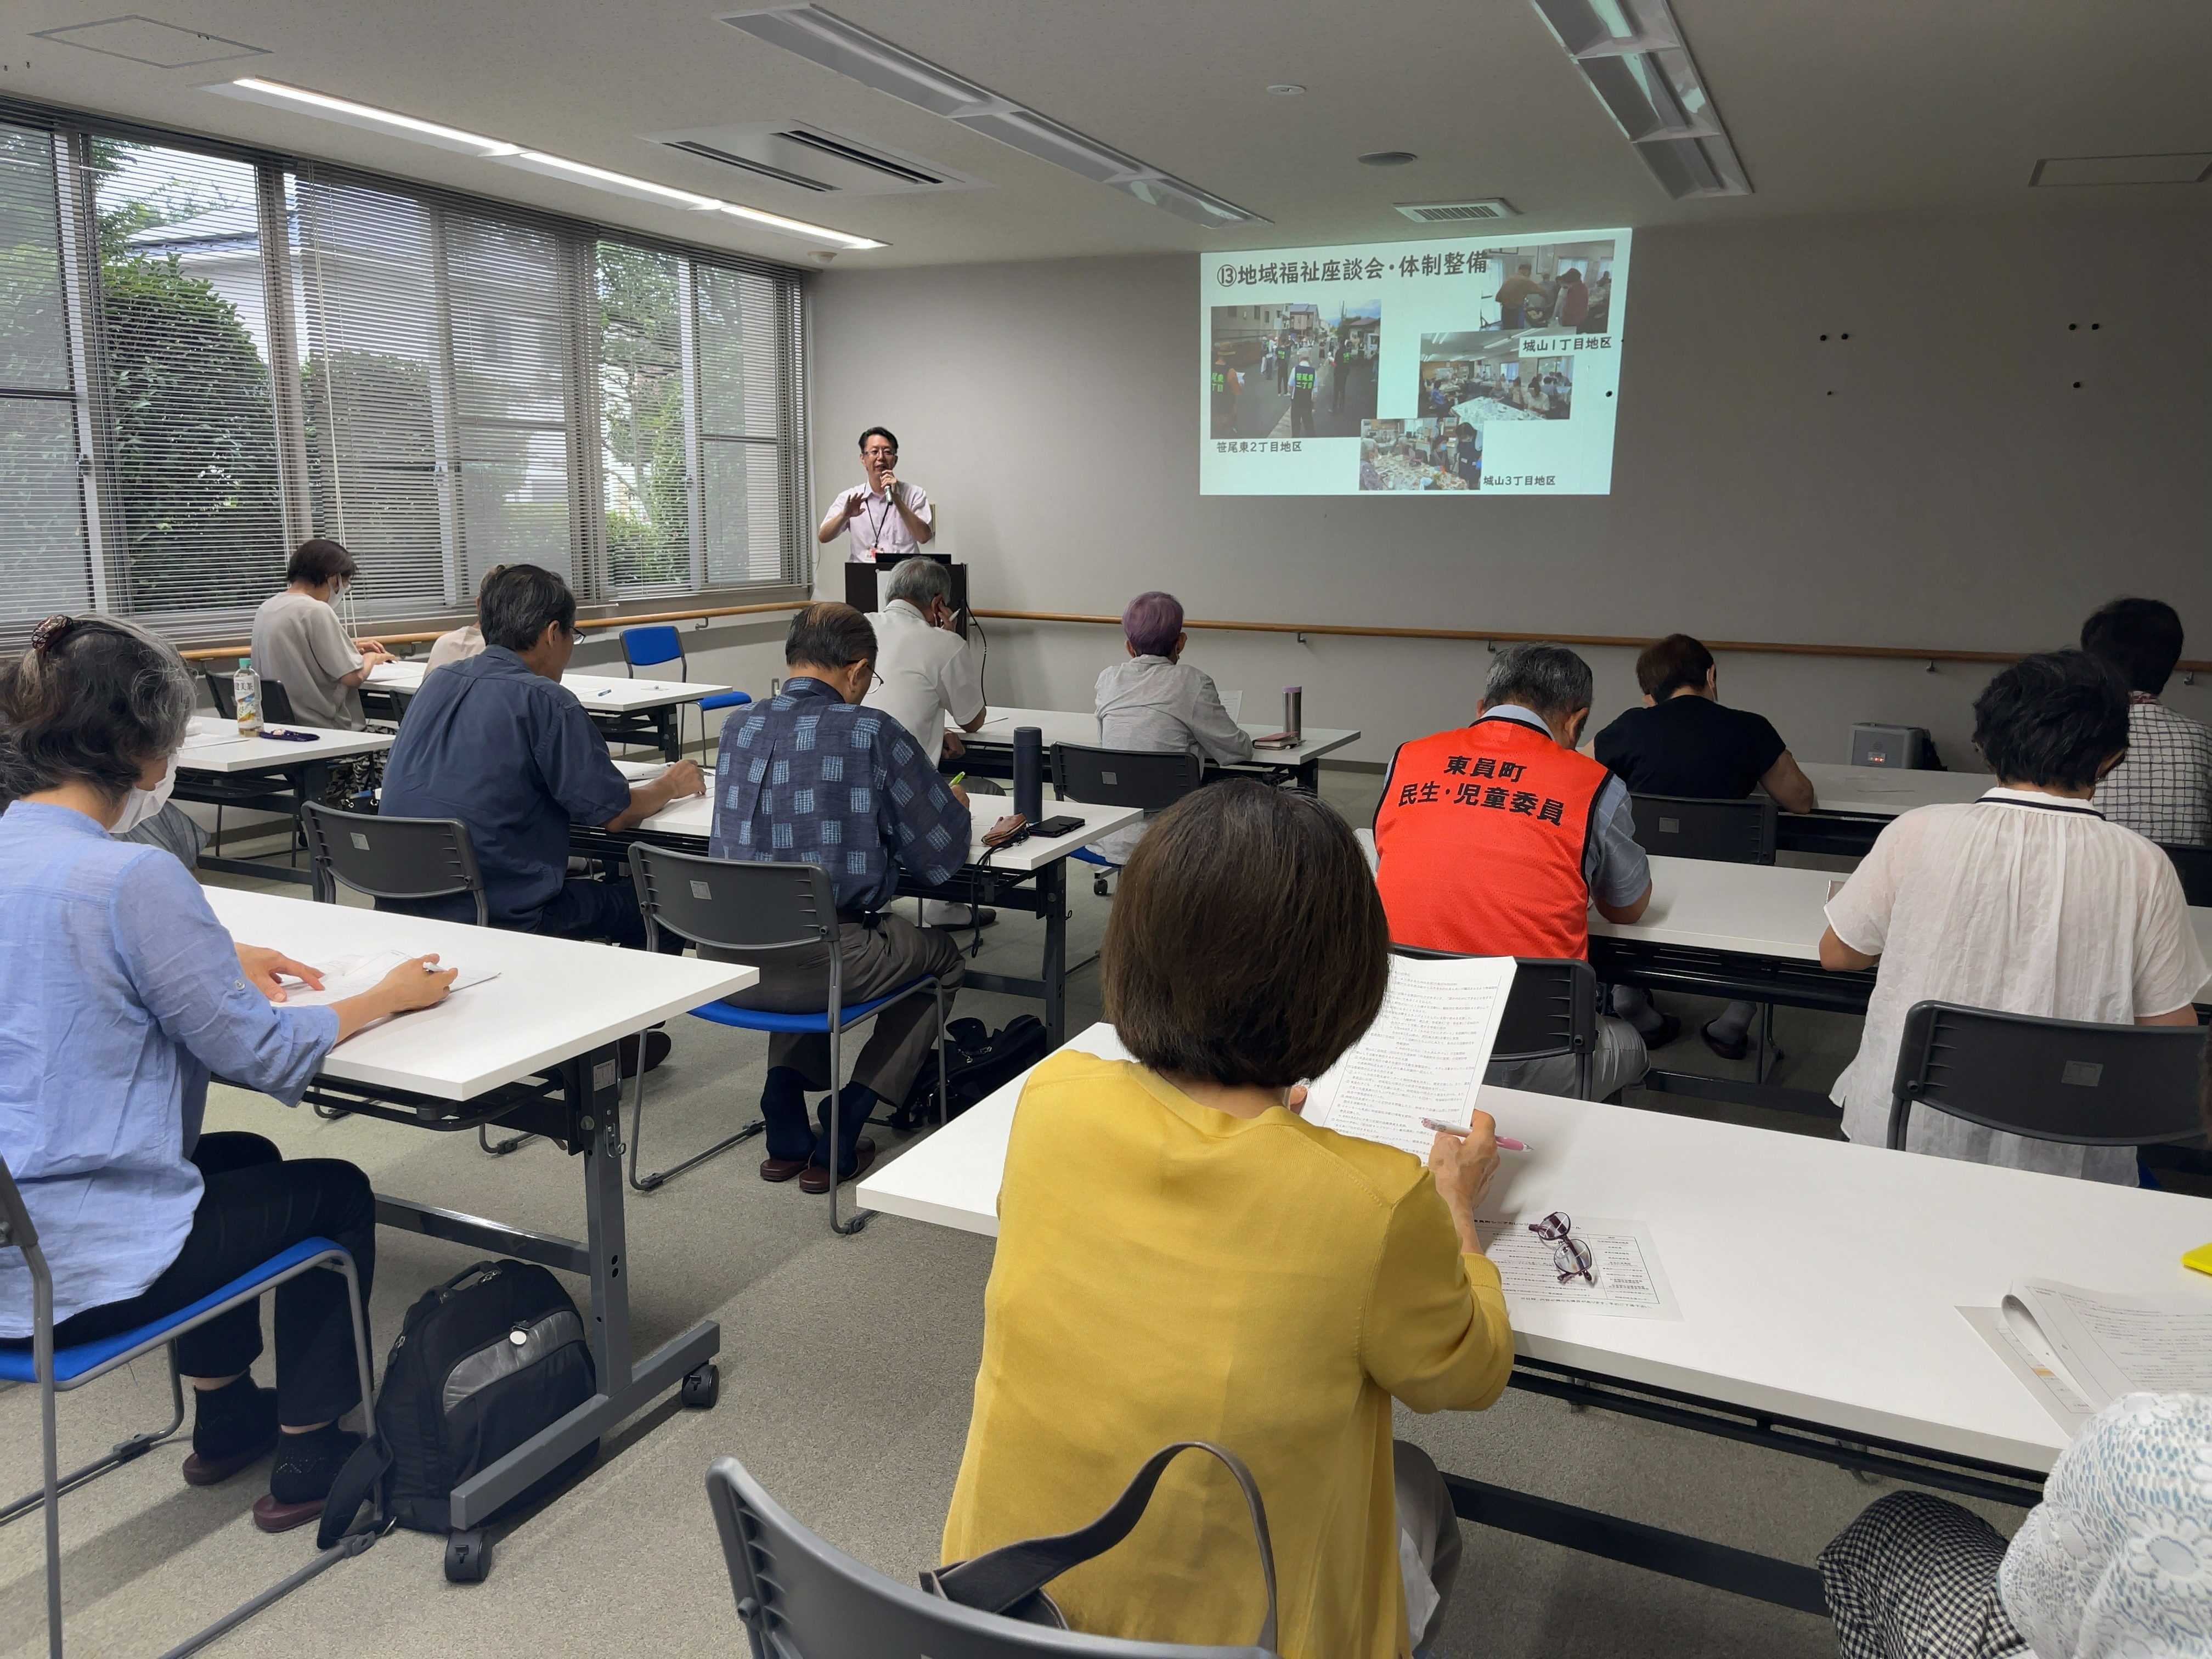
(1087, 856)
(760, 1019)
(726, 700)
(70, 1364)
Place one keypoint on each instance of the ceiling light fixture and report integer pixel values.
(299, 100)
(823, 38)
(1286, 90)
(1388, 158)
(1637, 61)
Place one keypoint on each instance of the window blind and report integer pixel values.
(44, 564)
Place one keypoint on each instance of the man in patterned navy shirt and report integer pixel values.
(811, 777)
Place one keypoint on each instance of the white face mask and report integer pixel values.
(141, 805)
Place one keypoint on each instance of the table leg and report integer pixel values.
(1052, 891)
(1309, 777)
(670, 723)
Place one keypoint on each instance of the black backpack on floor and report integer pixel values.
(977, 1061)
(483, 1362)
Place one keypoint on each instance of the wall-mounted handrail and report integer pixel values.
(213, 651)
(1889, 653)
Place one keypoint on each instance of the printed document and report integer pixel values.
(2103, 1345)
(350, 976)
(1424, 1056)
(1630, 1283)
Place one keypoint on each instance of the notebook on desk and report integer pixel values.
(2079, 1350)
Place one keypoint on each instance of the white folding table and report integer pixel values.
(990, 747)
(624, 709)
(218, 767)
(1031, 875)
(535, 1049)
(1818, 1284)
(1855, 804)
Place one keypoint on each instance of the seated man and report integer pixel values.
(1495, 839)
(495, 741)
(2025, 901)
(811, 777)
(1159, 704)
(2163, 789)
(925, 675)
(299, 642)
(1685, 741)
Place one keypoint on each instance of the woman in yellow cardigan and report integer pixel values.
(1182, 1256)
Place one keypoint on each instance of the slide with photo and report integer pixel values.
(1476, 365)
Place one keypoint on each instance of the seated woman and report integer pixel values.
(1157, 703)
(1182, 1256)
(299, 642)
(120, 993)
(2025, 901)
(460, 644)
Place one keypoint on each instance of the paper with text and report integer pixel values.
(2106, 1345)
(2033, 1368)
(1630, 1282)
(1423, 1057)
(350, 975)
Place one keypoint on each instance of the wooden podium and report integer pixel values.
(863, 580)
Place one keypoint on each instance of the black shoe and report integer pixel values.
(657, 1044)
(1736, 1050)
(1670, 1028)
(233, 1426)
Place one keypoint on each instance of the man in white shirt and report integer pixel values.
(1156, 703)
(925, 675)
(888, 517)
(2163, 789)
(299, 643)
(2027, 901)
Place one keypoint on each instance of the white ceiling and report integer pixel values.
(1835, 106)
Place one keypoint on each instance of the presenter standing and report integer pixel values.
(886, 515)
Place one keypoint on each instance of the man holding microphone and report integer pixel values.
(884, 515)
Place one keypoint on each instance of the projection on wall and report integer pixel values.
(1480, 366)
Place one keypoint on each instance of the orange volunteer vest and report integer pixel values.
(1481, 835)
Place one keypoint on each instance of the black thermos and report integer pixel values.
(1029, 772)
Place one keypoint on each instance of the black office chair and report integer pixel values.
(1724, 831)
(276, 701)
(801, 1598)
(2073, 1081)
(2194, 866)
(396, 858)
(1551, 1010)
(1120, 777)
(760, 912)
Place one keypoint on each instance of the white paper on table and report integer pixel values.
(1423, 1057)
(1631, 1282)
(2033, 1368)
(634, 771)
(1234, 702)
(228, 734)
(2106, 1344)
(350, 976)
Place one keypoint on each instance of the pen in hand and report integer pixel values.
(1505, 1143)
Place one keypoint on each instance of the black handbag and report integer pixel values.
(1010, 1580)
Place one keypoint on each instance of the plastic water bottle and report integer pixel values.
(245, 691)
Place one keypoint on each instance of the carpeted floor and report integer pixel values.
(847, 1364)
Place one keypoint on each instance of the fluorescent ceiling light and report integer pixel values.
(1635, 57)
(299, 100)
(826, 38)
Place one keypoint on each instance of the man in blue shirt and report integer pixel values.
(498, 742)
(811, 777)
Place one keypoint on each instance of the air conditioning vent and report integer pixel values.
(814, 159)
(1429, 213)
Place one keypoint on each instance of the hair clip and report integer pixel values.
(50, 632)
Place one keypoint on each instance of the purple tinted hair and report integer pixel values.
(1151, 623)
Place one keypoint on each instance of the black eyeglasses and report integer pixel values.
(1569, 1256)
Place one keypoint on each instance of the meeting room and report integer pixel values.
(714, 935)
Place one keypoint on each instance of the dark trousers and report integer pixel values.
(582, 910)
(257, 1203)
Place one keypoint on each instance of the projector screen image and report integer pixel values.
(1476, 365)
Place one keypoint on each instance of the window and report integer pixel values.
(242, 354)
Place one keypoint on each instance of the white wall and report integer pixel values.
(1936, 480)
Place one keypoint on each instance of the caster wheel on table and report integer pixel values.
(468, 1556)
(1098, 886)
(704, 1386)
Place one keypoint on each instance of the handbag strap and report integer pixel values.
(997, 1579)
(356, 1480)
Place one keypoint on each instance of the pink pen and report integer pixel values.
(1506, 1143)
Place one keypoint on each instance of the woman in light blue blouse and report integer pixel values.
(120, 993)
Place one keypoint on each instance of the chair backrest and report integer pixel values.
(801, 1598)
(1123, 777)
(2194, 866)
(2069, 1080)
(1551, 1009)
(392, 858)
(760, 909)
(642, 647)
(275, 704)
(1725, 831)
